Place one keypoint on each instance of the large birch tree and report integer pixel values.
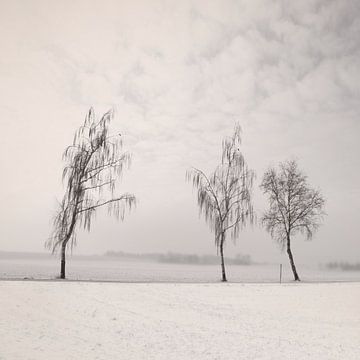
(293, 206)
(94, 164)
(224, 196)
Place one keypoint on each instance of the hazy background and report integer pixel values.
(179, 74)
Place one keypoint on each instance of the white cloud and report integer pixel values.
(179, 74)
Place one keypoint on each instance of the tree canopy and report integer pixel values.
(224, 197)
(293, 205)
(94, 163)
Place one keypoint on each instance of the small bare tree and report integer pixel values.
(224, 197)
(94, 162)
(294, 206)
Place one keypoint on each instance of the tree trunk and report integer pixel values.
(222, 258)
(292, 263)
(64, 243)
(63, 250)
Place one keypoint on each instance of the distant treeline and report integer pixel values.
(131, 256)
(177, 258)
(203, 259)
(344, 266)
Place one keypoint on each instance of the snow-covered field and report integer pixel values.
(100, 268)
(89, 320)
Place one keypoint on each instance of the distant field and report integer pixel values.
(80, 320)
(102, 268)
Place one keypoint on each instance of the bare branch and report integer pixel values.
(224, 197)
(93, 162)
(294, 206)
(99, 185)
(121, 198)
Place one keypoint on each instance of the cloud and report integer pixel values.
(179, 74)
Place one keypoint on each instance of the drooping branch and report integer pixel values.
(128, 197)
(225, 196)
(94, 163)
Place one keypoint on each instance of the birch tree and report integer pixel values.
(94, 164)
(224, 196)
(294, 206)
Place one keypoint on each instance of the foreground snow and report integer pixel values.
(80, 320)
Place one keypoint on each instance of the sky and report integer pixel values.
(179, 75)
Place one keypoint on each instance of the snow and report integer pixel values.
(145, 271)
(99, 320)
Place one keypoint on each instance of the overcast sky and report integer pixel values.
(179, 74)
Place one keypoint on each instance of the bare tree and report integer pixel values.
(224, 197)
(294, 206)
(94, 162)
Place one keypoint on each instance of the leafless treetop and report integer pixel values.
(94, 162)
(224, 197)
(294, 206)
